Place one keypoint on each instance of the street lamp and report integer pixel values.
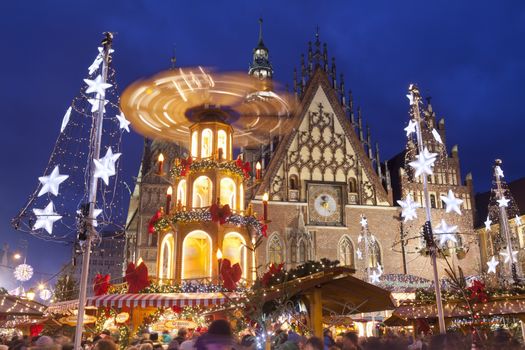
(30, 295)
(17, 256)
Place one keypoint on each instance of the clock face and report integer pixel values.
(325, 204)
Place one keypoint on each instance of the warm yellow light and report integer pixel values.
(265, 197)
(17, 256)
(30, 294)
(219, 254)
(258, 166)
(140, 261)
(161, 157)
(169, 191)
(41, 286)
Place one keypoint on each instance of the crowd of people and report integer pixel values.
(219, 336)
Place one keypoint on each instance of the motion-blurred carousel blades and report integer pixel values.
(164, 106)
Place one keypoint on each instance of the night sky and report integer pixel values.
(469, 56)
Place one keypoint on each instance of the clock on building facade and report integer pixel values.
(325, 203)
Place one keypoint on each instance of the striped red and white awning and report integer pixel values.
(148, 300)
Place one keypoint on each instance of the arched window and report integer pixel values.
(194, 144)
(234, 249)
(432, 200)
(294, 182)
(167, 257)
(375, 254)
(352, 185)
(346, 251)
(181, 192)
(206, 143)
(202, 192)
(221, 144)
(302, 251)
(227, 194)
(196, 255)
(275, 249)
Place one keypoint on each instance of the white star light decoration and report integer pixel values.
(374, 277)
(424, 163)
(517, 220)
(506, 255)
(51, 182)
(499, 172)
(487, 223)
(94, 104)
(446, 232)
(45, 218)
(410, 97)
(45, 294)
(123, 122)
(363, 221)
(492, 263)
(97, 86)
(65, 120)
(105, 167)
(359, 254)
(96, 213)
(409, 208)
(452, 203)
(437, 136)
(411, 128)
(23, 272)
(503, 202)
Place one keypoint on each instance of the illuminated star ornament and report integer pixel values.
(437, 136)
(452, 203)
(363, 221)
(105, 167)
(492, 263)
(424, 163)
(374, 277)
(410, 97)
(51, 182)
(124, 123)
(379, 269)
(23, 272)
(446, 232)
(45, 218)
(411, 127)
(506, 255)
(94, 104)
(409, 208)
(98, 86)
(517, 220)
(65, 120)
(96, 213)
(503, 202)
(499, 172)
(487, 223)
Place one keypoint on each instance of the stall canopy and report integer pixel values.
(11, 305)
(147, 300)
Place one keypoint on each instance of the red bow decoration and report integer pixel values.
(477, 292)
(230, 275)
(35, 330)
(272, 271)
(264, 228)
(220, 215)
(245, 167)
(185, 164)
(153, 220)
(136, 277)
(176, 309)
(101, 284)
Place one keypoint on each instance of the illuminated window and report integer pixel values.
(194, 144)
(234, 249)
(196, 255)
(241, 197)
(167, 258)
(206, 143)
(227, 195)
(181, 192)
(202, 192)
(221, 144)
(346, 251)
(275, 249)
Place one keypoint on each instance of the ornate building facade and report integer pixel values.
(322, 176)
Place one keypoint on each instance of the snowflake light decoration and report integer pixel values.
(45, 294)
(23, 272)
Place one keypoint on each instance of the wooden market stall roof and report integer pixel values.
(341, 292)
(507, 305)
(11, 305)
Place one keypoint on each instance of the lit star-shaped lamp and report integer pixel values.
(379, 269)
(487, 223)
(123, 122)
(105, 167)
(506, 255)
(503, 202)
(45, 218)
(499, 171)
(409, 208)
(363, 221)
(492, 263)
(411, 127)
(51, 182)
(452, 203)
(437, 136)
(97, 86)
(424, 162)
(517, 220)
(446, 232)
(374, 277)
(65, 120)
(410, 97)
(359, 254)
(96, 213)
(94, 104)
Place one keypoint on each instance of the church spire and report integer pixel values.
(261, 67)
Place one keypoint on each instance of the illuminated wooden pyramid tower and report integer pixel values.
(205, 220)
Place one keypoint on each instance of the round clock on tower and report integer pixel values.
(325, 204)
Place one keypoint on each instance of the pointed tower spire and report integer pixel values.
(325, 58)
(342, 90)
(360, 124)
(317, 55)
(369, 142)
(295, 82)
(378, 162)
(261, 67)
(303, 74)
(334, 74)
(310, 59)
(351, 107)
(173, 59)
